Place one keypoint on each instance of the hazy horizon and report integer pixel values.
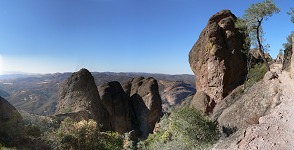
(116, 36)
(29, 73)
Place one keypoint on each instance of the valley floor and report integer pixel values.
(276, 129)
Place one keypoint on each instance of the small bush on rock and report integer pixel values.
(185, 128)
(83, 135)
(255, 74)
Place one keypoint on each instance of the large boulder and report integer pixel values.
(10, 123)
(202, 102)
(79, 95)
(145, 104)
(116, 102)
(216, 58)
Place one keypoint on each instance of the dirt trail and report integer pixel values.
(275, 131)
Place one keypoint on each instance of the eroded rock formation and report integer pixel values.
(79, 94)
(216, 58)
(145, 103)
(116, 102)
(135, 106)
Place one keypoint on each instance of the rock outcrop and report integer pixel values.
(79, 94)
(263, 114)
(145, 103)
(10, 122)
(246, 108)
(116, 102)
(292, 60)
(216, 58)
(287, 59)
(135, 106)
(202, 102)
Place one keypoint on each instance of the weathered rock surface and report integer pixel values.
(287, 59)
(116, 102)
(292, 60)
(275, 129)
(145, 103)
(79, 94)
(202, 102)
(216, 58)
(75, 116)
(250, 106)
(10, 120)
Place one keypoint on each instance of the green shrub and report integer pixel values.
(185, 128)
(111, 140)
(44, 123)
(129, 144)
(255, 74)
(83, 135)
(32, 130)
(66, 110)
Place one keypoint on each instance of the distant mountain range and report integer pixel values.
(10, 76)
(38, 94)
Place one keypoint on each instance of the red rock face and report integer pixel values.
(216, 58)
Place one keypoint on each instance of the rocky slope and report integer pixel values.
(10, 120)
(255, 102)
(216, 58)
(275, 129)
(36, 94)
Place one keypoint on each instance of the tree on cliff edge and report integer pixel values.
(254, 16)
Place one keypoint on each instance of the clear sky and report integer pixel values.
(46, 36)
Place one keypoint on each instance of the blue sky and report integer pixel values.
(46, 36)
